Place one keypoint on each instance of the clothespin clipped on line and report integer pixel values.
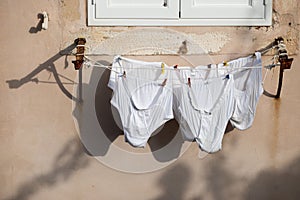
(162, 68)
(227, 76)
(164, 82)
(175, 67)
(122, 75)
(225, 64)
(189, 82)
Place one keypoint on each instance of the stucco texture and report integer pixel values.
(49, 148)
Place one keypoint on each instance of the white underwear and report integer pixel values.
(247, 75)
(203, 100)
(248, 89)
(204, 108)
(143, 102)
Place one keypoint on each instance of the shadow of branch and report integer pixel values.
(70, 159)
(174, 183)
(276, 184)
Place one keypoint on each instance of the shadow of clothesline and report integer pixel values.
(49, 66)
(70, 159)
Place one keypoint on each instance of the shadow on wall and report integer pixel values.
(71, 158)
(49, 66)
(276, 184)
(223, 183)
(90, 133)
(103, 107)
(220, 181)
(107, 122)
(38, 27)
(99, 135)
(174, 183)
(94, 133)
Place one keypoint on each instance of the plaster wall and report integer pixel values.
(42, 156)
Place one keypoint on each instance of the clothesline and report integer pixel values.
(205, 68)
(202, 68)
(278, 44)
(262, 51)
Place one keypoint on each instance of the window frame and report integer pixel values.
(93, 21)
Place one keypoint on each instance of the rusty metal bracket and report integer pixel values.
(285, 63)
(80, 46)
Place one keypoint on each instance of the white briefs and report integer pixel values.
(248, 89)
(203, 101)
(140, 98)
(204, 108)
(247, 75)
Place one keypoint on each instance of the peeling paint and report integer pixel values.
(212, 42)
(144, 42)
(159, 41)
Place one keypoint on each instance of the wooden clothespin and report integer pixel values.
(162, 68)
(225, 64)
(227, 76)
(80, 42)
(189, 82)
(164, 82)
(122, 75)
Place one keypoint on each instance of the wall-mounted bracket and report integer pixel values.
(80, 46)
(45, 20)
(285, 62)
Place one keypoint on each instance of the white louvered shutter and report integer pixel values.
(137, 9)
(224, 9)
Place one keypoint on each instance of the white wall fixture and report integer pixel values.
(45, 20)
(179, 12)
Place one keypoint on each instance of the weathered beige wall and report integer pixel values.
(41, 155)
(217, 40)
